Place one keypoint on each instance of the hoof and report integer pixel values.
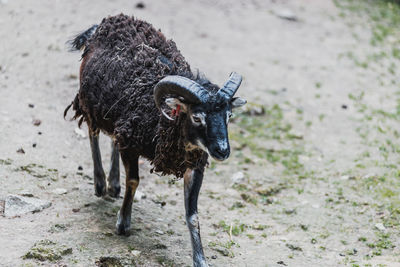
(113, 191)
(100, 190)
(123, 225)
(200, 263)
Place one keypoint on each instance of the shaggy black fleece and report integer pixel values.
(122, 62)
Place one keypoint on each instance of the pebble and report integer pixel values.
(16, 205)
(140, 5)
(238, 178)
(286, 14)
(159, 232)
(252, 109)
(36, 122)
(21, 151)
(139, 195)
(60, 191)
(80, 133)
(380, 227)
(26, 193)
(136, 253)
(315, 206)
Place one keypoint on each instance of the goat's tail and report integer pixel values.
(79, 41)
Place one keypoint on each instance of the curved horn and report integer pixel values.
(230, 87)
(191, 91)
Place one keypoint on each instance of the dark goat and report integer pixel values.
(130, 78)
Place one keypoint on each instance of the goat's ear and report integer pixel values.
(174, 102)
(237, 102)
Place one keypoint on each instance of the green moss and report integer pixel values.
(7, 161)
(46, 250)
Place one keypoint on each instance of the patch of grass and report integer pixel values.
(235, 228)
(7, 161)
(254, 130)
(237, 205)
(46, 250)
(38, 171)
(294, 247)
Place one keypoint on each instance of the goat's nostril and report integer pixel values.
(221, 151)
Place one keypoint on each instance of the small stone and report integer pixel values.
(76, 210)
(213, 257)
(60, 191)
(34, 145)
(140, 5)
(39, 133)
(72, 76)
(18, 205)
(36, 122)
(80, 168)
(159, 246)
(281, 263)
(289, 211)
(344, 177)
(286, 14)
(26, 194)
(160, 232)
(2, 203)
(344, 106)
(139, 195)
(57, 228)
(80, 133)
(253, 109)
(238, 178)
(223, 251)
(21, 150)
(136, 253)
(31, 105)
(108, 234)
(380, 227)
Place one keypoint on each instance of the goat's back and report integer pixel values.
(122, 62)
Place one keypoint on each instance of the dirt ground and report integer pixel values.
(314, 181)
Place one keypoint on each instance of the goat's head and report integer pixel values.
(207, 113)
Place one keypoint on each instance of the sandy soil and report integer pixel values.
(320, 176)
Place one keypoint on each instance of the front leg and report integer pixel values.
(130, 160)
(192, 184)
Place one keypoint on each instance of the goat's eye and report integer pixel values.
(196, 119)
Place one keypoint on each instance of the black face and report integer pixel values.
(208, 126)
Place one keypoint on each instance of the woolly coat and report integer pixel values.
(122, 62)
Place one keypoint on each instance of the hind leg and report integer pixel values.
(113, 186)
(98, 172)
